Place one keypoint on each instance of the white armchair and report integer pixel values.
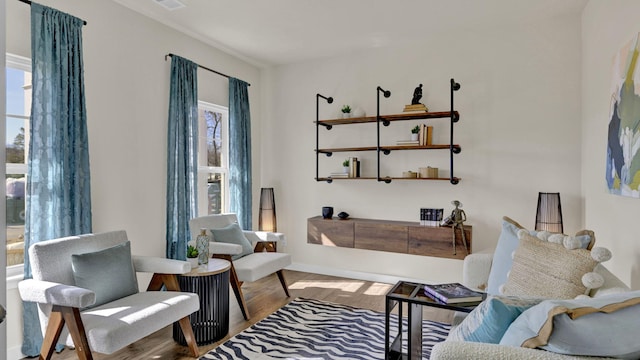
(116, 323)
(264, 261)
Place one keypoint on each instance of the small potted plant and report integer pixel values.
(414, 133)
(192, 256)
(346, 111)
(345, 166)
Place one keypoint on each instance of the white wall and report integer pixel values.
(606, 27)
(519, 131)
(127, 91)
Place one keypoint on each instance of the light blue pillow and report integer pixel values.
(507, 244)
(602, 326)
(489, 320)
(108, 272)
(232, 234)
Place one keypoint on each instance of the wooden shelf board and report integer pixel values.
(393, 117)
(387, 147)
(382, 178)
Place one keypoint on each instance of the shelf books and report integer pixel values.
(431, 217)
(425, 135)
(408, 142)
(452, 293)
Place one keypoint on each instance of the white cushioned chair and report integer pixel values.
(263, 261)
(57, 268)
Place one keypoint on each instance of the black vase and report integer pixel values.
(327, 212)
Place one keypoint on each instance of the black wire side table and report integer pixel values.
(211, 283)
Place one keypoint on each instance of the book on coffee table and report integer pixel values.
(452, 293)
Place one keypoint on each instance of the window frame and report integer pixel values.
(15, 273)
(203, 170)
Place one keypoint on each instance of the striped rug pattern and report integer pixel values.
(311, 329)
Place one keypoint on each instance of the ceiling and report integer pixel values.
(276, 32)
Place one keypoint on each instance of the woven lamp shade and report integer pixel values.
(267, 216)
(549, 213)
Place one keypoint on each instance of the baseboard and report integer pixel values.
(358, 275)
(15, 353)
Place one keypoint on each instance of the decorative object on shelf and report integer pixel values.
(431, 216)
(267, 217)
(346, 111)
(409, 174)
(354, 167)
(192, 256)
(549, 213)
(416, 105)
(327, 212)
(415, 132)
(343, 215)
(345, 166)
(458, 217)
(202, 245)
(432, 172)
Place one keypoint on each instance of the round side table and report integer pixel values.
(211, 283)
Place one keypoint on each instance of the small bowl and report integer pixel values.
(343, 215)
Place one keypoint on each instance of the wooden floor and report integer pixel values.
(264, 297)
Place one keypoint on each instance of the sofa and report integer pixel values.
(477, 271)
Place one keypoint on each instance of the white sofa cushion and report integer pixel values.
(258, 265)
(114, 325)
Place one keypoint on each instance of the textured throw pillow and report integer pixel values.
(508, 243)
(548, 270)
(232, 234)
(108, 272)
(602, 326)
(488, 322)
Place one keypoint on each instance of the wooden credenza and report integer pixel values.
(383, 235)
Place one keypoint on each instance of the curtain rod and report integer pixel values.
(200, 66)
(29, 3)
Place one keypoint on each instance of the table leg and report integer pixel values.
(414, 317)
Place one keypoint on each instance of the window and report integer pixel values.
(213, 160)
(18, 92)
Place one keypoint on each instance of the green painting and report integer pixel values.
(623, 143)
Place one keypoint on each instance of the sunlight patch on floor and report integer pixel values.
(378, 289)
(350, 286)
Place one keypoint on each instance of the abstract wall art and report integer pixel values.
(623, 143)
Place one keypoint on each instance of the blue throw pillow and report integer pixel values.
(108, 272)
(602, 326)
(232, 234)
(491, 319)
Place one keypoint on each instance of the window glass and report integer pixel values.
(18, 107)
(213, 148)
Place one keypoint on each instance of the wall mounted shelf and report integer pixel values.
(387, 120)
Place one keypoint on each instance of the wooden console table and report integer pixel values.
(384, 235)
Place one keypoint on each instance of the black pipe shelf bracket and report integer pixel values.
(328, 100)
(385, 93)
(455, 116)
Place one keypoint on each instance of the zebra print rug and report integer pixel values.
(311, 329)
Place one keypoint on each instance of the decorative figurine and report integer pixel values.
(417, 95)
(416, 105)
(458, 217)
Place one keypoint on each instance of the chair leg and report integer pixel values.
(54, 328)
(76, 329)
(187, 331)
(283, 282)
(236, 285)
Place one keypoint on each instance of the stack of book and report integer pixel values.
(425, 135)
(430, 216)
(452, 293)
(408, 142)
(338, 175)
